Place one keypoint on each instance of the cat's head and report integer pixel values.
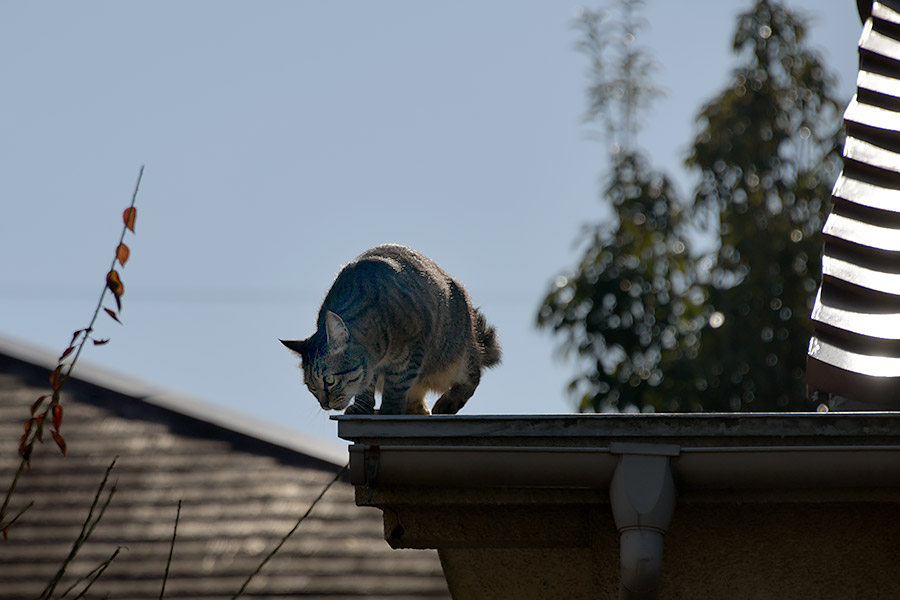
(335, 367)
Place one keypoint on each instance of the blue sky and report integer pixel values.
(281, 139)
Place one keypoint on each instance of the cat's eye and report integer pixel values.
(328, 379)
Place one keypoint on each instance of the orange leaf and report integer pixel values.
(37, 404)
(115, 286)
(129, 216)
(57, 416)
(112, 314)
(59, 441)
(114, 283)
(54, 378)
(122, 253)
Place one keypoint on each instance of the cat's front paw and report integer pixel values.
(359, 409)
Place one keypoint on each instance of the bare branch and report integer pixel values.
(290, 533)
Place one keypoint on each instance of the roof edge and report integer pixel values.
(180, 404)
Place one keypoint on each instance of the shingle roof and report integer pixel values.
(241, 493)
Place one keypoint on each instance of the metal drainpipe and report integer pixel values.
(642, 494)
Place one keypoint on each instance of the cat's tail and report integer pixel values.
(488, 344)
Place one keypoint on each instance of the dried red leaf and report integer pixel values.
(129, 216)
(40, 430)
(67, 352)
(59, 441)
(77, 333)
(57, 416)
(101, 342)
(55, 376)
(28, 425)
(122, 254)
(25, 451)
(112, 314)
(5, 534)
(37, 404)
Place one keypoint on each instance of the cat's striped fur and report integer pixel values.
(395, 321)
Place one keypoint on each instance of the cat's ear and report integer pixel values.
(298, 346)
(336, 333)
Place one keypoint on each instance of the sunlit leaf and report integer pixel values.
(101, 342)
(59, 441)
(122, 253)
(129, 216)
(57, 416)
(115, 283)
(112, 314)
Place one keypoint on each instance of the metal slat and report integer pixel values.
(878, 43)
(880, 11)
(872, 116)
(866, 194)
(865, 234)
(885, 326)
(878, 83)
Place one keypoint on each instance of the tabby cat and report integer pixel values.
(395, 321)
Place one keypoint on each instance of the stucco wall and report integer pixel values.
(715, 549)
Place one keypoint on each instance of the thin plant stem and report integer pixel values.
(93, 576)
(112, 266)
(9, 493)
(171, 550)
(16, 518)
(291, 532)
(87, 528)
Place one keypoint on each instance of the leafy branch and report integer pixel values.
(47, 408)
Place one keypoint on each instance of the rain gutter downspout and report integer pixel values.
(642, 494)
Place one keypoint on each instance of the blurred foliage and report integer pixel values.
(630, 310)
(656, 324)
(768, 153)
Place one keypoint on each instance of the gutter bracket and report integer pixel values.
(642, 495)
(358, 460)
(364, 462)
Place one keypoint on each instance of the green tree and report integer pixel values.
(657, 326)
(768, 152)
(625, 310)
